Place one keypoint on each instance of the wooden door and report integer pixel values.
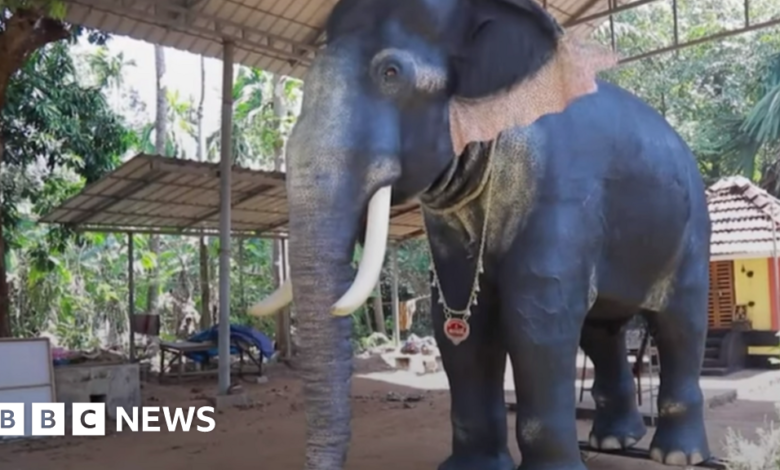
(722, 300)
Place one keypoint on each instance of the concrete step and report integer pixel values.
(711, 352)
(714, 371)
(712, 363)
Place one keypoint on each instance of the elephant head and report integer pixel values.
(401, 88)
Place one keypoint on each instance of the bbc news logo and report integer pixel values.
(89, 419)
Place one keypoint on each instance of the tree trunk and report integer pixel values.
(379, 313)
(205, 292)
(26, 31)
(367, 313)
(283, 317)
(160, 135)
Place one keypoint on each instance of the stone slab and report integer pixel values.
(232, 400)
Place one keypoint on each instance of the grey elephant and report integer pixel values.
(557, 207)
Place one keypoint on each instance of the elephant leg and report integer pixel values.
(680, 331)
(542, 321)
(618, 423)
(475, 370)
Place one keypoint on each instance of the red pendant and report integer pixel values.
(457, 330)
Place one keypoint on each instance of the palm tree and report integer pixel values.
(763, 124)
(254, 134)
(754, 139)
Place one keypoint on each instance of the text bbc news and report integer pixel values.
(89, 419)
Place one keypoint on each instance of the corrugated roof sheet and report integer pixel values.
(279, 36)
(154, 194)
(742, 216)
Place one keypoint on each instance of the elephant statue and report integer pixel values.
(557, 207)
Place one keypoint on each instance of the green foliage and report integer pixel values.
(703, 90)
(763, 121)
(58, 135)
(53, 8)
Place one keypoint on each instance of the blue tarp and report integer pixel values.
(237, 332)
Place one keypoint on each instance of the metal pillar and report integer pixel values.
(394, 296)
(288, 353)
(776, 287)
(225, 168)
(131, 291)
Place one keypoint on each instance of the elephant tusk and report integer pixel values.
(370, 267)
(274, 302)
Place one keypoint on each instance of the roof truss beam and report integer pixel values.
(234, 203)
(185, 20)
(676, 45)
(116, 199)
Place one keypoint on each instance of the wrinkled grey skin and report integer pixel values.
(598, 214)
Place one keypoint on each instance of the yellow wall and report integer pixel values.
(754, 289)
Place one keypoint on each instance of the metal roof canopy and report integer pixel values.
(279, 36)
(162, 195)
(283, 36)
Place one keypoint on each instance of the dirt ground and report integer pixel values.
(387, 434)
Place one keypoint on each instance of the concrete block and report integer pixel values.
(117, 385)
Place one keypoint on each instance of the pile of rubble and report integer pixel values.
(416, 354)
(416, 345)
(378, 344)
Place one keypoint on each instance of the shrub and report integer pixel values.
(763, 454)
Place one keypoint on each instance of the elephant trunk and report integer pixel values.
(320, 255)
(322, 240)
(342, 161)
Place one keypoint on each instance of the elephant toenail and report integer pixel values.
(657, 455)
(676, 458)
(610, 443)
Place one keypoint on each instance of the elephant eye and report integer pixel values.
(390, 71)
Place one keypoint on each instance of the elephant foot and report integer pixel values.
(680, 441)
(502, 461)
(616, 431)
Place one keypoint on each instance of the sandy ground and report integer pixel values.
(388, 434)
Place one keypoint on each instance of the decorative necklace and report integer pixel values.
(456, 322)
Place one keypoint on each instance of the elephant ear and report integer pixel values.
(515, 65)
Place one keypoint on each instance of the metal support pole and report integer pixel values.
(773, 221)
(225, 170)
(131, 291)
(676, 24)
(394, 296)
(651, 356)
(612, 27)
(288, 310)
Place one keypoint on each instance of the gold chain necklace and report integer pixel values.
(456, 322)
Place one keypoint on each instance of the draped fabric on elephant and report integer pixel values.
(569, 74)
